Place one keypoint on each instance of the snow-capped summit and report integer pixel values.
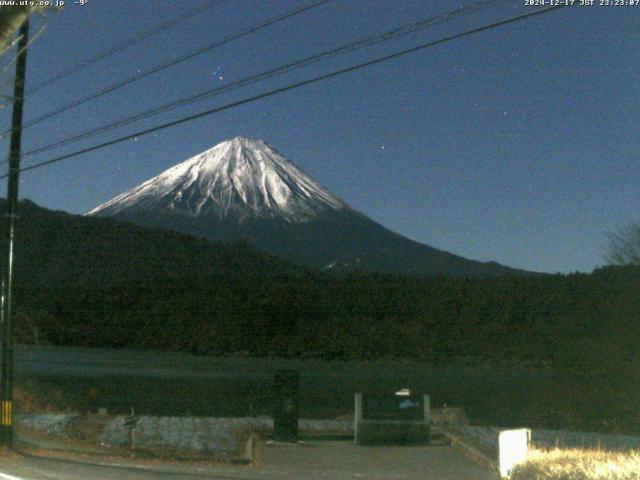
(239, 178)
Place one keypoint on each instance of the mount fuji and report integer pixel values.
(244, 190)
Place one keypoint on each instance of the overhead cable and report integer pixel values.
(158, 68)
(120, 47)
(292, 86)
(298, 64)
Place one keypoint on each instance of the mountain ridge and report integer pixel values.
(244, 190)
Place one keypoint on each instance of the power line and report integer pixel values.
(347, 48)
(124, 45)
(10, 45)
(291, 87)
(176, 61)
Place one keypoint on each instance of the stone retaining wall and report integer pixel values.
(209, 435)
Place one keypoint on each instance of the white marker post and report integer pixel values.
(513, 446)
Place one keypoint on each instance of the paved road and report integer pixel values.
(312, 461)
(345, 461)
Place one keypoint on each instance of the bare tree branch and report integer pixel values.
(10, 20)
(624, 246)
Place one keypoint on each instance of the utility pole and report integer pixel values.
(6, 318)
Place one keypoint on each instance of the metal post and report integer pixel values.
(357, 418)
(6, 318)
(286, 390)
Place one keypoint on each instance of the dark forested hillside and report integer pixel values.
(56, 249)
(100, 282)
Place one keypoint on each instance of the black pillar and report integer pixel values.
(6, 317)
(286, 399)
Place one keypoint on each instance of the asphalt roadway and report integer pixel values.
(326, 460)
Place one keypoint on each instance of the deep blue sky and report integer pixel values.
(519, 145)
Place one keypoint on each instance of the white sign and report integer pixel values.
(512, 449)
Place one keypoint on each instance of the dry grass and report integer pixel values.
(579, 464)
(29, 397)
(25, 400)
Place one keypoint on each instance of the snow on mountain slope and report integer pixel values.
(238, 179)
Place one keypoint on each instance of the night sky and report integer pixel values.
(520, 144)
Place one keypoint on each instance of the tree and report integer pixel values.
(624, 246)
(11, 17)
